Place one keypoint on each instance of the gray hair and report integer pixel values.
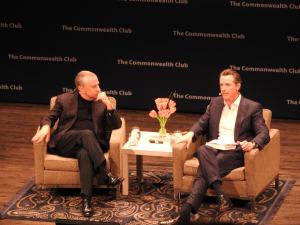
(81, 75)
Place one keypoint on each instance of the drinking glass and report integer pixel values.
(134, 136)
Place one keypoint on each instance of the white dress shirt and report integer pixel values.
(227, 122)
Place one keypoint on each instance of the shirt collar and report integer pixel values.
(236, 103)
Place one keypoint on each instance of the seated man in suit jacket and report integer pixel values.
(229, 118)
(86, 119)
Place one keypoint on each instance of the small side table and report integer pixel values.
(143, 148)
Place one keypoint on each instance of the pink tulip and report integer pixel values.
(153, 114)
(172, 110)
(165, 108)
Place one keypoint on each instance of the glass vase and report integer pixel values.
(162, 131)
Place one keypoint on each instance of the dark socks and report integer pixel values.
(102, 174)
(101, 168)
(88, 197)
(185, 212)
(217, 187)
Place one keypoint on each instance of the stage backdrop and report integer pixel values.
(144, 49)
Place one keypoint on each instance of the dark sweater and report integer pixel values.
(84, 115)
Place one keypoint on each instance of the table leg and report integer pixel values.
(125, 174)
(139, 169)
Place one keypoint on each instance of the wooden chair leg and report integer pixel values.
(118, 191)
(177, 197)
(277, 182)
(252, 204)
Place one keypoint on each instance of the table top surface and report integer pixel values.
(144, 147)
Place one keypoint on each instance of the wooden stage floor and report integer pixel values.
(18, 123)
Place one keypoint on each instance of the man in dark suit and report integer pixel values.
(229, 118)
(86, 119)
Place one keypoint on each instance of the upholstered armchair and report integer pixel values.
(53, 171)
(247, 182)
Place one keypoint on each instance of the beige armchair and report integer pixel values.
(261, 168)
(53, 171)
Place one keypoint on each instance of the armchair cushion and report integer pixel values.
(191, 165)
(259, 170)
(57, 171)
(59, 163)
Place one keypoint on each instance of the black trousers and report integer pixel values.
(214, 164)
(83, 145)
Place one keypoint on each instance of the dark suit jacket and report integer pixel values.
(65, 109)
(250, 124)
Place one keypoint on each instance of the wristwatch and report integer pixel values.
(254, 145)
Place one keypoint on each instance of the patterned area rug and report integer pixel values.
(146, 204)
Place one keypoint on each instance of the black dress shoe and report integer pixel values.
(224, 203)
(86, 206)
(177, 221)
(113, 180)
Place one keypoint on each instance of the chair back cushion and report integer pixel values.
(190, 166)
(59, 163)
(111, 99)
(53, 99)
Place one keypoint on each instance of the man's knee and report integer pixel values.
(83, 155)
(200, 151)
(87, 134)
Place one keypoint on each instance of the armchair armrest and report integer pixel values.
(117, 140)
(40, 150)
(180, 155)
(261, 167)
